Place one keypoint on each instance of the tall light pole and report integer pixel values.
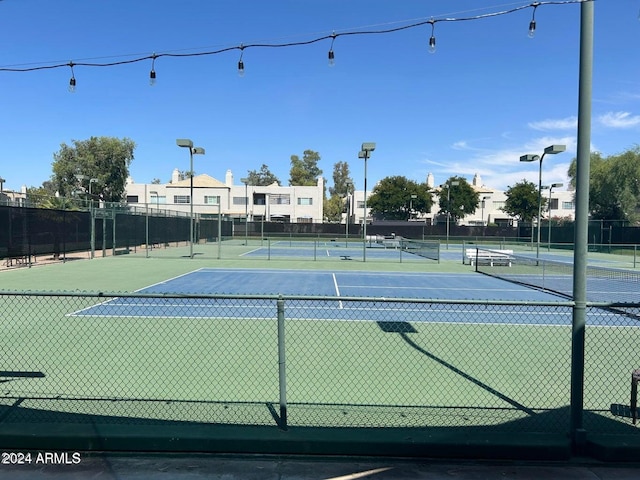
(553, 185)
(349, 185)
(365, 151)
(91, 215)
(413, 197)
(552, 150)
(246, 210)
(482, 215)
(449, 184)
(186, 143)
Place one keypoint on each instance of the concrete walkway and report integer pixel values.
(192, 467)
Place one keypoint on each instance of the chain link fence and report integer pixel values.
(309, 361)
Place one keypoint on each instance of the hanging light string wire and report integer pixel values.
(332, 37)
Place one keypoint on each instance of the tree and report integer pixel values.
(333, 208)
(262, 178)
(305, 171)
(457, 198)
(341, 178)
(522, 201)
(614, 190)
(155, 181)
(391, 198)
(106, 159)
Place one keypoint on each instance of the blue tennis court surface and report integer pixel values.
(341, 284)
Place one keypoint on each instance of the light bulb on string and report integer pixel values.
(532, 23)
(331, 55)
(240, 62)
(152, 73)
(72, 80)
(432, 39)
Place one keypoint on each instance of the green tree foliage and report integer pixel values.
(105, 158)
(336, 204)
(522, 201)
(155, 181)
(462, 200)
(391, 198)
(333, 208)
(614, 185)
(305, 171)
(262, 178)
(341, 178)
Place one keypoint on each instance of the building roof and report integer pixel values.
(199, 181)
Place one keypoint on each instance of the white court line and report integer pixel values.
(335, 284)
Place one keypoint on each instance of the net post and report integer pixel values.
(269, 248)
(282, 373)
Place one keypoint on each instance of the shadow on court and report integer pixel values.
(403, 328)
(528, 437)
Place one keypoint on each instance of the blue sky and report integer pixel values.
(486, 96)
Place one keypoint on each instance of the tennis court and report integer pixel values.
(342, 285)
(369, 345)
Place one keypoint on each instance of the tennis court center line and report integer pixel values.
(335, 284)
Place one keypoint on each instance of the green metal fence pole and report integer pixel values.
(113, 245)
(581, 238)
(282, 371)
(219, 231)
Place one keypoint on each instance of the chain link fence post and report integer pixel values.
(282, 370)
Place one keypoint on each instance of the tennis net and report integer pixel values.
(422, 248)
(603, 284)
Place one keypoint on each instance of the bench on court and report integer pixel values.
(488, 257)
(345, 257)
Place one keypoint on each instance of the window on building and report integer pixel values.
(568, 206)
(280, 199)
(553, 205)
(259, 199)
(240, 201)
(305, 201)
(360, 204)
(305, 220)
(181, 199)
(158, 199)
(132, 198)
(497, 204)
(212, 199)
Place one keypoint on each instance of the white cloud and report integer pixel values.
(619, 120)
(461, 145)
(501, 168)
(569, 123)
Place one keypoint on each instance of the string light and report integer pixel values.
(152, 73)
(532, 23)
(332, 36)
(432, 40)
(240, 62)
(331, 56)
(72, 80)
